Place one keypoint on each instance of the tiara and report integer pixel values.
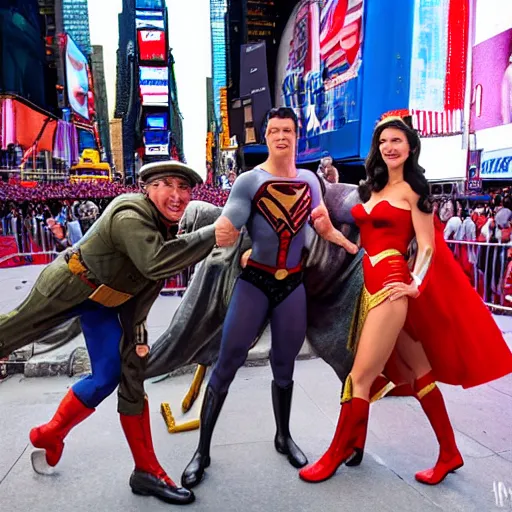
(388, 119)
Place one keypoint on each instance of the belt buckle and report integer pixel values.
(281, 274)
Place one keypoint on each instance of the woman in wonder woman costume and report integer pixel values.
(413, 327)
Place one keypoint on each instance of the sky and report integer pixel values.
(189, 38)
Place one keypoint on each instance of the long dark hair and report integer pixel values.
(377, 175)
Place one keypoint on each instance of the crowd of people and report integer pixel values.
(482, 221)
(22, 208)
(488, 221)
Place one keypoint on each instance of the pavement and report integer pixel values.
(247, 474)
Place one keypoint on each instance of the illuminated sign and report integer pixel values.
(154, 85)
(77, 79)
(152, 45)
(225, 141)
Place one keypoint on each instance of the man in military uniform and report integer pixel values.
(110, 279)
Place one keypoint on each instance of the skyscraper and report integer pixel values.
(218, 9)
(75, 18)
(100, 98)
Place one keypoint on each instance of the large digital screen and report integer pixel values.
(321, 63)
(429, 54)
(156, 143)
(152, 45)
(156, 121)
(492, 65)
(77, 79)
(149, 19)
(156, 137)
(154, 85)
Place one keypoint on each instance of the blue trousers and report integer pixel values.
(102, 331)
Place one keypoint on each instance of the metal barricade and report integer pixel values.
(33, 244)
(489, 268)
(177, 284)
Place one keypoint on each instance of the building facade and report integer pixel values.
(75, 19)
(146, 93)
(101, 101)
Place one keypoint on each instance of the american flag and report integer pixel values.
(340, 34)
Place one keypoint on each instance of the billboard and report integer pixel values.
(77, 79)
(156, 142)
(492, 80)
(496, 165)
(157, 121)
(440, 44)
(254, 83)
(149, 20)
(321, 78)
(154, 85)
(152, 45)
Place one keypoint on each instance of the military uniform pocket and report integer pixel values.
(57, 282)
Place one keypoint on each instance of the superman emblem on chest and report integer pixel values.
(285, 205)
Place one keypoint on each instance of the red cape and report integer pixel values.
(460, 337)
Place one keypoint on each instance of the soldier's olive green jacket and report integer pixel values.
(129, 249)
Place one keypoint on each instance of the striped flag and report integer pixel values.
(340, 34)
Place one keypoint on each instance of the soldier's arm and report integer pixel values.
(138, 238)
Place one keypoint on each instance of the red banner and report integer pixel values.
(151, 45)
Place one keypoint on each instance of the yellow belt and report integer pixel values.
(383, 255)
(102, 294)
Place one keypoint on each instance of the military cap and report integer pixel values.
(158, 170)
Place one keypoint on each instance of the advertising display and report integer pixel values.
(496, 165)
(149, 20)
(157, 121)
(151, 45)
(492, 65)
(156, 142)
(473, 178)
(77, 79)
(154, 85)
(254, 83)
(438, 66)
(225, 141)
(157, 149)
(321, 78)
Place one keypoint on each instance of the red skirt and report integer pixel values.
(460, 337)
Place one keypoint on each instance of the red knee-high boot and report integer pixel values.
(353, 420)
(433, 405)
(148, 477)
(381, 387)
(50, 436)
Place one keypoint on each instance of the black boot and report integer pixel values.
(282, 402)
(212, 405)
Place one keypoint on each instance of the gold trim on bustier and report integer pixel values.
(426, 390)
(383, 255)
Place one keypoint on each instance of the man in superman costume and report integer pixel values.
(275, 202)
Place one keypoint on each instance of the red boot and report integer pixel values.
(433, 405)
(50, 436)
(381, 387)
(148, 477)
(353, 420)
